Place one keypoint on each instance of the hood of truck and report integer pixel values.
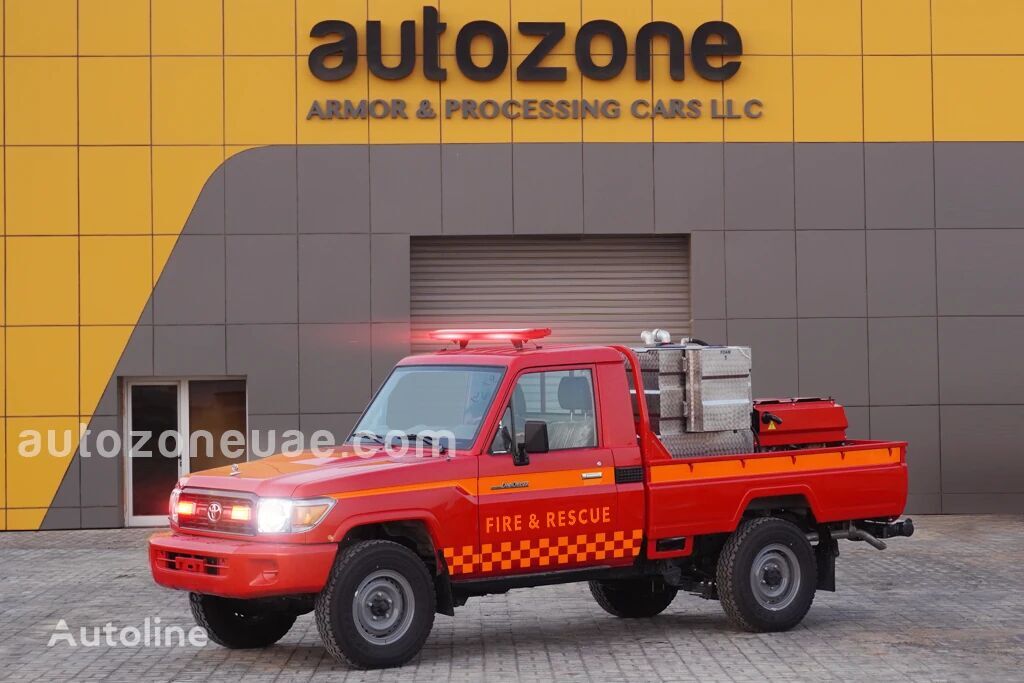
(306, 474)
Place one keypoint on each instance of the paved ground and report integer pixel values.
(947, 604)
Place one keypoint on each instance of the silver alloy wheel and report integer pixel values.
(775, 577)
(383, 607)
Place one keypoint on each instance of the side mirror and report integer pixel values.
(536, 436)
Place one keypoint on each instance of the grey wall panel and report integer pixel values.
(262, 279)
(405, 189)
(339, 425)
(707, 270)
(991, 503)
(268, 357)
(979, 360)
(903, 361)
(773, 345)
(69, 493)
(62, 518)
(262, 195)
(188, 350)
(136, 361)
(389, 343)
(334, 368)
(191, 288)
(901, 272)
(102, 518)
(919, 426)
(834, 359)
(101, 475)
(899, 187)
(831, 273)
(618, 188)
(268, 432)
(333, 272)
(334, 188)
(389, 278)
(829, 186)
(859, 418)
(477, 184)
(711, 331)
(978, 184)
(548, 188)
(689, 192)
(980, 271)
(982, 451)
(207, 215)
(759, 186)
(760, 274)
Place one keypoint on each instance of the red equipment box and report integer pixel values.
(797, 421)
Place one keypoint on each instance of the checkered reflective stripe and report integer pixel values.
(543, 552)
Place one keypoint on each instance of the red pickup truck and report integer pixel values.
(476, 470)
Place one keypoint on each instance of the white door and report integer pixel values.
(173, 427)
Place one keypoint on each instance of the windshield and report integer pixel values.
(427, 399)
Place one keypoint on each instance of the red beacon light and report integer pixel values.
(517, 336)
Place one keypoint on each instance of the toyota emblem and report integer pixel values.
(214, 511)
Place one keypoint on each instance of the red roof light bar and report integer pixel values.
(517, 335)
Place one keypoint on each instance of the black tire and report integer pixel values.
(234, 625)
(776, 556)
(633, 598)
(391, 577)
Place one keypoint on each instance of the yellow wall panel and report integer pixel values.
(766, 26)
(3, 473)
(687, 14)
(826, 27)
(3, 390)
(412, 129)
(769, 79)
(960, 81)
(32, 480)
(25, 520)
(551, 130)
(316, 130)
(35, 27)
(568, 11)
(897, 27)
(163, 245)
(179, 174)
(101, 349)
(115, 186)
(113, 27)
(629, 15)
(188, 101)
(42, 190)
(981, 27)
(700, 129)
(391, 13)
(116, 277)
(259, 100)
(259, 27)
(114, 100)
(42, 286)
(458, 13)
(187, 27)
(626, 89)
(458, 87)
(310, 12)
(38, 93)
(828, 102)
(898, 99)
(42, 371)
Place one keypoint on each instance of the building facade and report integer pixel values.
(212, 218)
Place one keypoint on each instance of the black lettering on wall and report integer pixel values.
(530, 68)
(433, 27)
(374, 51)
(676, 57)
(584, 41)
(346, 47)
(731, 46)
(464, 55)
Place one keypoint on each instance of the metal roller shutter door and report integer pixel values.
(587, 289)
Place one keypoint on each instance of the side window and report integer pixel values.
(563, 399)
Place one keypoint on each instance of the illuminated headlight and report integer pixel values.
(172, 505)
(284, 516)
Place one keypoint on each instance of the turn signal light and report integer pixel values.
(241, 513)
(186, 507)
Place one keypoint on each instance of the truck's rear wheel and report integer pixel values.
(377, 608)
(237, 625)
(766, 575)
(633, 598)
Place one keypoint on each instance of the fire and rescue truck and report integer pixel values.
(477, 469)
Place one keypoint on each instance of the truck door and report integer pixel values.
(559, 511)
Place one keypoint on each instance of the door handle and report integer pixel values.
(591, 475)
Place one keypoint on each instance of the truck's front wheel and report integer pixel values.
(632, 598)
(766, 575)
(378, 606)
(236, 624)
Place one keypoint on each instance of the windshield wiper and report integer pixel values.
(370, 435)
(427, 439)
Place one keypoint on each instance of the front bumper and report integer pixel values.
(237, 568)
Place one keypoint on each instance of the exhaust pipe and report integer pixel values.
(869, 531)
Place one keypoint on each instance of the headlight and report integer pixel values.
(172, 506)
(283, 515)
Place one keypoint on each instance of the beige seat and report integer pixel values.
(576, 396)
